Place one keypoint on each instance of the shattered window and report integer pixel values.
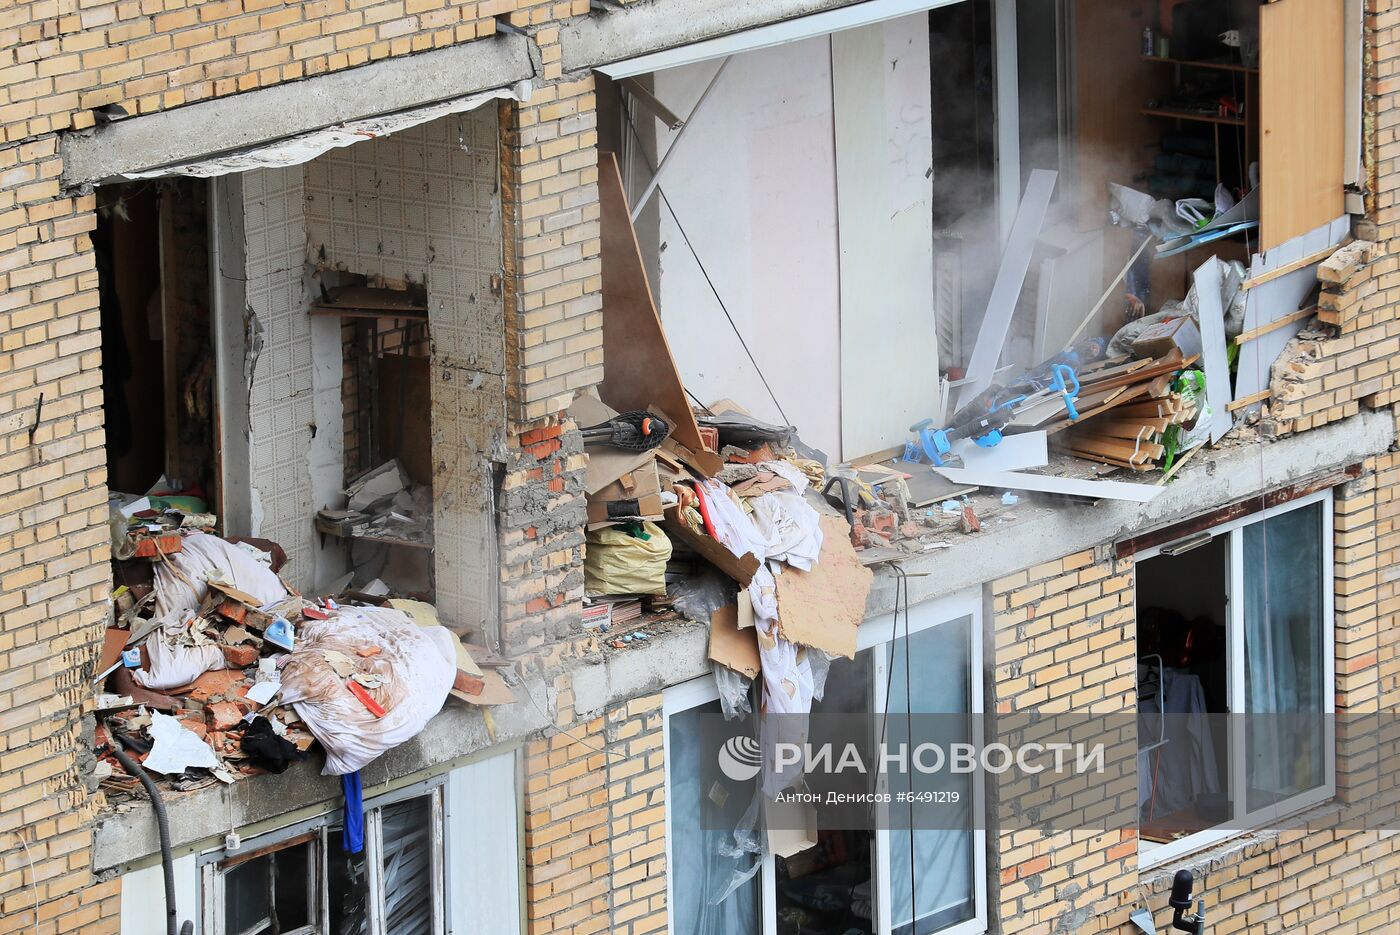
(310, 884)
(272, 892)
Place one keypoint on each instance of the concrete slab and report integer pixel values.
(208, 128)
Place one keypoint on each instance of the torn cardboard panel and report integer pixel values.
(824, 607)
(740, 568)
(641, 371)
(732, 646)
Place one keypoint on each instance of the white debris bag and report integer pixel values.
(414, 670)
(180, 587)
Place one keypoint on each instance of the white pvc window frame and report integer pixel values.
(1242, 821)
(323, 838)
(875, 632)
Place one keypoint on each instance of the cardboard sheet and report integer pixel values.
(732, 647)
(641, 370)
(825, 606)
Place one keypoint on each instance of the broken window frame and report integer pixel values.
(1243, 821)
(323, 833)
(876, 633)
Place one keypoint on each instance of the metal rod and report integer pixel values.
(653, 104)
(675, 143)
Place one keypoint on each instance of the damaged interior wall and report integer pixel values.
(294, 402)
(422, 206)
(753, 185)
(770, 195)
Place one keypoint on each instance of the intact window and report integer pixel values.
(1235, 660)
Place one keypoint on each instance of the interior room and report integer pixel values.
(292, 403)
(1153, 178)
(1182, 608)
(151, 249)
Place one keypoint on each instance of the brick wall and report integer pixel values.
(595, 822)
(1064, 640)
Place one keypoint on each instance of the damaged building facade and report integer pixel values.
(316, 322)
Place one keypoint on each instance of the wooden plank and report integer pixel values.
(1302, 116)
(641, 370)
(1303, 314)
(1011, 276)
(1212, 324)
(1246, 401)
(1127, 449)
(1044, 483)
(1277, 298)
(1317, 256)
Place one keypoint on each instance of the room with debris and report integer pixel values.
(1116, 279)
(280, 461)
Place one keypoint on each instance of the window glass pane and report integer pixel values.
(406, 850)
(1285, 643)
(828, 888)
(348, 887)
(269, 893)
(703, 804)
(930, 673)
(248, 897)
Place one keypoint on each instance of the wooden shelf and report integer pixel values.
(1192, 115)
(1214, 66)
(364, 302)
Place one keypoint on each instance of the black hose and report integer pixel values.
(167, 856)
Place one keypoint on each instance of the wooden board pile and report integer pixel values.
(1124, 407)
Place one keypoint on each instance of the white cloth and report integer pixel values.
(418, 665)
(787, 676)
(791, 527)
(201, 557)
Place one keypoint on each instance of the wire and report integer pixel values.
(33, 879)
(706, 273)
(551, 726)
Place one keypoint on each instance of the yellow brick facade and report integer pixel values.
(1063, 631)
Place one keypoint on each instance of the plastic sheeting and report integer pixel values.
(417, 664)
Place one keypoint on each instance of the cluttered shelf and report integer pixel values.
(1179, 114)
(1214, 66)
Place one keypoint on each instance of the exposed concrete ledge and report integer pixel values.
(200, 819)
(256, 117)
(1042, 532)
(1212, 479)
(664, 24)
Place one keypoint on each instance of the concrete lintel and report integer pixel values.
(652, 26)
(254, 118)
(200, 819)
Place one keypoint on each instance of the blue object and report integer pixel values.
(281, 633)
(1063, 378)
(353, 838)
(131, 658)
